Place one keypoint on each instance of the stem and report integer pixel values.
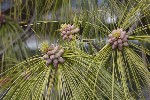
(113, 73)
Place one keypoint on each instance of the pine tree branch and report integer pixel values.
(22, 34)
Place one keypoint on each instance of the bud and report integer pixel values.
(68, 25)
(56, 49)
(113, 31)
(65, 37)
(55, 65)
(120, 29)
(70, 39)
(70, 36)
(122, 34)
(114, 46)
(113, 39)
(119, 41)
(64, 32)
(57, 55)
(53, 51)
(124, 39)
(115, 43)
(55, 61)
(125, 44)
(68, 28)
(72, 27)
(110, 41)
(52, 57)
(51, 47)
(41, 58)
(61, 51)
(75, 30)
(120, 46)
(68, 32)
(45, 56)
(110, 36)
(49, 52)
(48, 61)
(61, 60)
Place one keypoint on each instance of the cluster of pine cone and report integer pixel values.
(54, 55)
(118, 38)
(68, 30)
(2, 19)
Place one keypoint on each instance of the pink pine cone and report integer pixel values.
(54, 56)
(118, 39)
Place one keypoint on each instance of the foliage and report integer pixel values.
(92, 69)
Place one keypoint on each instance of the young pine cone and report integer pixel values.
(118, 38)
(54, 56)
(67, 31)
